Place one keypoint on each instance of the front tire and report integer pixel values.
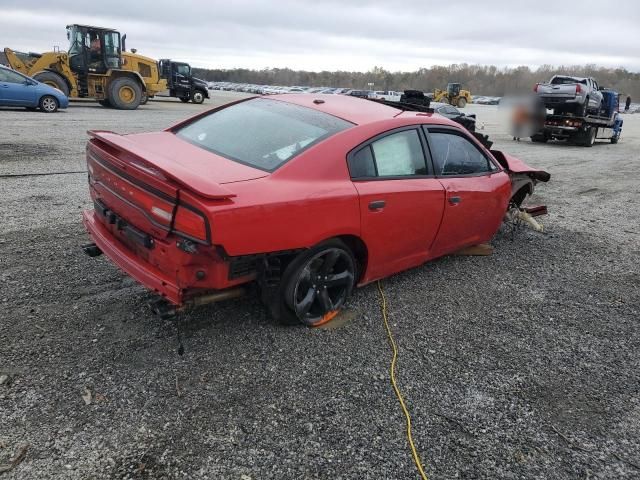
(49, 104)
(184, 99)
(315, 285)
(462, 102)
(125, 93)
(197, 97)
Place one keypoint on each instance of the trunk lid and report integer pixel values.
(136, 183)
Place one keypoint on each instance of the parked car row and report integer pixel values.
(482, 100)
(279, 89)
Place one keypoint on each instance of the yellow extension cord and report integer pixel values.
(414, 452)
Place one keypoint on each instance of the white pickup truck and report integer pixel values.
(387, 95)
(564, 93)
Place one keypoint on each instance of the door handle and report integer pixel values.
(377, 205)
(454, 200)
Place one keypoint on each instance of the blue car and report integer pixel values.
(17, 90)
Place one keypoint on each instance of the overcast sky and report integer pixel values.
(344, 35)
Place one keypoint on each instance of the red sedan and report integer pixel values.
(305, 195)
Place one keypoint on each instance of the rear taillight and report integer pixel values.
(578, 89)
(191, 224)
(535, 87)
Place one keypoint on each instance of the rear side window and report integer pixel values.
(361, 164)
(260, 132)
(454, 155)
(396, 155)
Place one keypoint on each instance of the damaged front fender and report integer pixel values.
(514, 165)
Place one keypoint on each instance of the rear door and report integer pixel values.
(401, 203)
(477, 191)
(16, 90)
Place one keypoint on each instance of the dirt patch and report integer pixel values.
(21, 152)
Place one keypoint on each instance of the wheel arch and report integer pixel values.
(115, 74)
(51, 70)
(359, 250)
(522, 188)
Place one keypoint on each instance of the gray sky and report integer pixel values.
(345, 35)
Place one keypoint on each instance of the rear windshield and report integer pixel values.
(260, 132)
(567, 80)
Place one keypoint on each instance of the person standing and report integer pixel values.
(627, 104)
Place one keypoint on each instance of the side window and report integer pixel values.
(10, 77)
(455, 155)
(397, 155)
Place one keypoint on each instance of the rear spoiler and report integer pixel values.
(169, 168)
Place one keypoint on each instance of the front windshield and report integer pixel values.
(260, 132)
(77, 41)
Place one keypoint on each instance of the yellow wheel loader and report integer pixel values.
(453, 95)
(96, 66)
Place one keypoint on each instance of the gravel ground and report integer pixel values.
(523, 364)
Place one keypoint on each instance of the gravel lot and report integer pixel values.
(523, 364)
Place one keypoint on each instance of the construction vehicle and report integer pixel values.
(453, 95)
(181, 83)
(96, 66)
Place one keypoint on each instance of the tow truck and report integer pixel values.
(605, 124)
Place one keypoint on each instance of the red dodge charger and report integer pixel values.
(304, 195)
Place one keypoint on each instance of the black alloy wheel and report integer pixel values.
(321, 285)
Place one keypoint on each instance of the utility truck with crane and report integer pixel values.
(95, 66)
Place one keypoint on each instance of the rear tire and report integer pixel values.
(583, 110)
(105, 103)
(53, 80)
(314, 286)
(539, 138)
(125, 93)
(462, 102)
(144, 100)
(590, 137)
(49, 104)
(197, 97)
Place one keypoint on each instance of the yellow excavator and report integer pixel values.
(96, 65)
(453, 95)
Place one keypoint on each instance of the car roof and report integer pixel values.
(352, 109)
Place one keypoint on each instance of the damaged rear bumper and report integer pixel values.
(141, 271)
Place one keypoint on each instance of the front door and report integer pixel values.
(16, 90)
(401, 204)
(477, 192)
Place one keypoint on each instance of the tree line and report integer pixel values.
(480, 79)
